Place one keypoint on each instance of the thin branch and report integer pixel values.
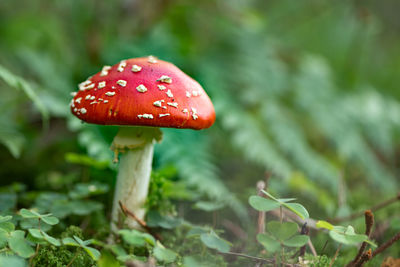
(336, 254)
(304, 231)
(74, 258)
(261, 214)
(291, 217)
(373, 209)
(139, 221)
(368, 255)
(386, 245)
(364, 258)
(312, 248)
(369, 222)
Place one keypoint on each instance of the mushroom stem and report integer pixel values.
(135, 146)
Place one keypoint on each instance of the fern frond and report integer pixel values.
(189, 152)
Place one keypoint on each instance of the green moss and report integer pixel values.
(157, 199)
(72, 231)
(62, 256)
(318, 261)
(192, 246)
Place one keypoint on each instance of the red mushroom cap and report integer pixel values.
(143, 91)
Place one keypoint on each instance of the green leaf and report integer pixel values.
(263, 204)
(284, 200)
(12, 261)
(93, 253)
(36, 233)
(118, 250)
(282, 231)
(12, 139)
(136, 238)
(68, 241)
(8, 201)
(51, 240)
(19, 244)
(296, 241)
(34, 223)
(196, 231)
(297, 208)
(347, 236)
(50, 220)
(324, 225)
(212, 240)
(270, 196)
(270, 244)
(20, 84)
(155, 219)
(5, 218)
(208, 206)
(80, 241)
(107, 259)
(164, 254)
(79, 207)
(190, 261)
(29, 214)
(3, 238)
(7, 226)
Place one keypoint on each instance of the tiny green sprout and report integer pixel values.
(281, 234)
(344, 235)
(46, 218)
(265, 204)
(77, 242)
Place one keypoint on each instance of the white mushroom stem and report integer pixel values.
(135, 146)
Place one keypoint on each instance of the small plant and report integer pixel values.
(22, 243)
(344, 235)
(281, 235)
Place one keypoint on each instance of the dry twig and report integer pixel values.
(369, 222)
(373, 209)
(139, 221)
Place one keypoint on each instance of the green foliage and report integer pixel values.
(212, 240)
(263, 204)
(281, 234)
(77, 242)
(159, 191)
(318, 261)
(344, 235)
(317, 109)
(163, 254)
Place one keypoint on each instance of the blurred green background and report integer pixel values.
(307, 91)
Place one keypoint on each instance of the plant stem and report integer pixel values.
(373, 209)
(369, 222)
(134, 172)
(336, 254)
(261, 214)
(384, 246)
(73, 259)
(139, 221)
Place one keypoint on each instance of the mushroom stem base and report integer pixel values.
(133, 174)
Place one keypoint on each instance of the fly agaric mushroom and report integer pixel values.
(134, 93)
